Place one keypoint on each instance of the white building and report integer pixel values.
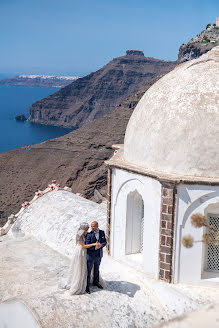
(35, 257)
(167, 170)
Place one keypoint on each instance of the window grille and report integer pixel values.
(212, 252)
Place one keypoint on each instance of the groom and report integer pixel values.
(94, 254)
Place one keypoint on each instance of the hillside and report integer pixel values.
(76, 159)
(97, 94)
(200, 44)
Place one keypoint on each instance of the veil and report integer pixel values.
(82, 228)
(77, 276)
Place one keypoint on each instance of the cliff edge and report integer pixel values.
(97, 94)
(200, 44)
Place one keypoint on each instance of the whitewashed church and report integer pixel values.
(168, 169)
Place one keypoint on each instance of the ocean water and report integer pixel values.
(16, 100)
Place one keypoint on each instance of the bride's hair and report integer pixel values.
(83, 227)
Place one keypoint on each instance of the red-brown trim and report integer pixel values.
(168, 199)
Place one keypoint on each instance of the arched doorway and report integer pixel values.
(134, 223)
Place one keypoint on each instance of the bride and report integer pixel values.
(77, 276)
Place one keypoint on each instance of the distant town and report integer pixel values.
(39, 80)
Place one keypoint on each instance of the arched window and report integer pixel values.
(212, 251)
(134, 223)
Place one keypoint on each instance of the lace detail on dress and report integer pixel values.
(77, 276)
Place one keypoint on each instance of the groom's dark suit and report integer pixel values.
(94, 256)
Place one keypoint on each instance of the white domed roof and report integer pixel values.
(175, 126)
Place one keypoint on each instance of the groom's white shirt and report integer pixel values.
(97, 235)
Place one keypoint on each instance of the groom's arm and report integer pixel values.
(89, 241)
(103, 240)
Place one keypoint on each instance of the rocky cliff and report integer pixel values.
(76, 159)
(199, 45)
(97, 94)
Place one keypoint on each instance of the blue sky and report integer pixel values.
(78, 37)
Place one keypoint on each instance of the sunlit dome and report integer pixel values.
(175, 126)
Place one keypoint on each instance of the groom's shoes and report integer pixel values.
(98, 285)
(87, 290)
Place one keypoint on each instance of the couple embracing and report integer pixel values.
(86, 259)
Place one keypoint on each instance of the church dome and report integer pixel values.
(175, 126)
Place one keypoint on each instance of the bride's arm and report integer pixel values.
(86, 246)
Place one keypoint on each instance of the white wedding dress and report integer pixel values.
(77, 276)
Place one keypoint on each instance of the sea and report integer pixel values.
(16, 100)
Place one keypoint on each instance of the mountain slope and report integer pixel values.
(96, 94)
(76, 159)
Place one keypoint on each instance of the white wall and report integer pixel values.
(16, 314)
(55, 217)
(124, 182)
(188, 263)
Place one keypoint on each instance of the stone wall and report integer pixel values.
(166, 231)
